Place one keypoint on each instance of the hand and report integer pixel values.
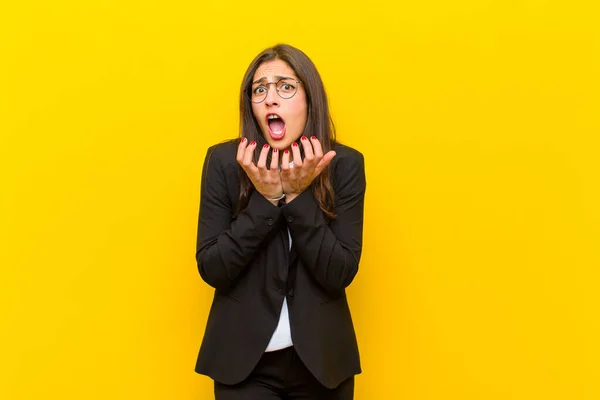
(266, 181)
(295, 180)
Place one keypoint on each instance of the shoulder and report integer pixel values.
(220, 163)
(347, 170)
(347, 159)
(220, 169)
(223, 153)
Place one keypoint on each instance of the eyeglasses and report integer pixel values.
(286, 88)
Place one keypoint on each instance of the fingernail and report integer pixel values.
(244, 140)
(287, 151)
(266, 146)
(274, 150)
(295, 144)
(304, 138)
(313, 137)
(252, 143)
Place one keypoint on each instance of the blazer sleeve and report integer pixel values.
(331, 251)
(224, 246)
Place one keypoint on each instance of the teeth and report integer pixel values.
(273, 117)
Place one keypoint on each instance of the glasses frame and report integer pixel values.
(267, 85)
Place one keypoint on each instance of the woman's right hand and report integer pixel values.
(266, 181)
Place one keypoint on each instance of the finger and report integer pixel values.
(262, 158)
(308, 150)
(324, 162)
(241, 149)
(285, 161)
(297, 155)
(274, 160)
(318, 149)
(248, 159)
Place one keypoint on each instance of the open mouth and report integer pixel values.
(276, 126)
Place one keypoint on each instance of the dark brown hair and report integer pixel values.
(318, 121)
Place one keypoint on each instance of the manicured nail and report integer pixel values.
(304, 138)
(266, 146)
(287, 151)
(252, 143)
(244, 140)
(313, 137)
(274, 150)
(295, 144)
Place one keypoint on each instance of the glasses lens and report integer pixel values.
(258, 93)
(287, 88)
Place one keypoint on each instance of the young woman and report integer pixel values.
(280, 238)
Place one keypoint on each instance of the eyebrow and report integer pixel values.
(278, 77)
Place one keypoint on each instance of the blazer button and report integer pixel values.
(291, 292)
(270, 221)
(290, 219)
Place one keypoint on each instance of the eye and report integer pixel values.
(259, 90)
(287, 87)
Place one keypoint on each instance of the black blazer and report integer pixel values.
(246, 259)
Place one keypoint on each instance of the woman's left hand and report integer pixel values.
(296, 179)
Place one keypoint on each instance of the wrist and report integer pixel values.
(275, 200)
(290, 196)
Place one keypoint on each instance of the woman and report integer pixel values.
(280, 238)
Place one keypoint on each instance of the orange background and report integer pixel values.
(479, 123)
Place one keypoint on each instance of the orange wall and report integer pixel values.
(480, 127)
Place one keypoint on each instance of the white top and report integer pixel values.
(282, 337)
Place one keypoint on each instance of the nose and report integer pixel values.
(272, 98)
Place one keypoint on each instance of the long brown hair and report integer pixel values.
(318, 122)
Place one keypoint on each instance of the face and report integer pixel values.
(281, 120)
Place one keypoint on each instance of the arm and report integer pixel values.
(331, 252)
(224, 247)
